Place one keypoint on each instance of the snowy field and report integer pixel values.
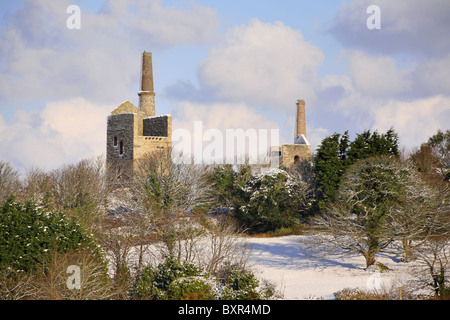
(298, 274)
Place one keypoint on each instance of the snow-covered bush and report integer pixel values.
(191, 288)
(239, 284)
(272, 200)
(153, 283)
(28, 234)
(176, 280)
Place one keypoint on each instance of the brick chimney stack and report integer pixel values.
(301, 118)
(147, 95)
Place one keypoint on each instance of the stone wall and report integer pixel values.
(156, 126)
(291, 151)
(146, 145)
(120, 143)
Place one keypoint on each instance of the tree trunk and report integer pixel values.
(408, 256)
(370, 257)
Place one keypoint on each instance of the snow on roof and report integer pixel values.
(301, 139)
(158, 116)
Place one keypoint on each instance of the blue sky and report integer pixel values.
(230, 64)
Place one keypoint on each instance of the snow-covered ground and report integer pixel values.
(299, 274)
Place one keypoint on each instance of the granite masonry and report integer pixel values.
(134, 133)
(301, 148)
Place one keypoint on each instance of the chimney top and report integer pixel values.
(301, 119)
(147, 72)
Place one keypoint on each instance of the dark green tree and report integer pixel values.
(271, 200)
(336, 153)
(379, 200)
(370, 144)
(227, 185)
(329, 164)
(222, 178)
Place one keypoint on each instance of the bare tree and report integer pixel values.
(9, 180)
(81, 190)
(435, 257)
(434, 248)
(118, 246)
(225, 245)
(164, 185)
(37, 185)
(165, 216)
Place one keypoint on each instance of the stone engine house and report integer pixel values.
(301, 148)
(133, 133)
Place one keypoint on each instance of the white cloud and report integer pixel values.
(266, 64)
(377, 76)
(77, 126)
(415, 121)
(41, 59)
(220, 116)
(62, 132)
(216, 119)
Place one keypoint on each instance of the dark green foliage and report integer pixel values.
(28, 234)
(271, 201)
(153, 283)
(336, 153)
(176, 280)
(222, 177)
(173, 269)
(367, 145)
(377, 185)
(264, 202)
(227, 185)
(145, 286)
(373, 195)
(239, 284)
(329, 163)
(158, 187)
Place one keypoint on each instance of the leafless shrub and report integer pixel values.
(37, 185)
(163, 184)
(9, 180)
(94, 283)
(17, 285)
(50, 281)
(225, 244)
(393, 293)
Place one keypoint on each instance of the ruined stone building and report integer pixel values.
(133, 133)
(300, 149)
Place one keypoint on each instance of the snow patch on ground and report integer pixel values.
(300, 274)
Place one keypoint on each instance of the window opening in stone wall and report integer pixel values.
(115, 141)
(121, 147)
(296, 159)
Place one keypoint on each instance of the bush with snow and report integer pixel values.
(28, 234)
(181, 280)
(272, 200)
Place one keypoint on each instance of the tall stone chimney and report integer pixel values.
(301, 118)
(147, 95)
